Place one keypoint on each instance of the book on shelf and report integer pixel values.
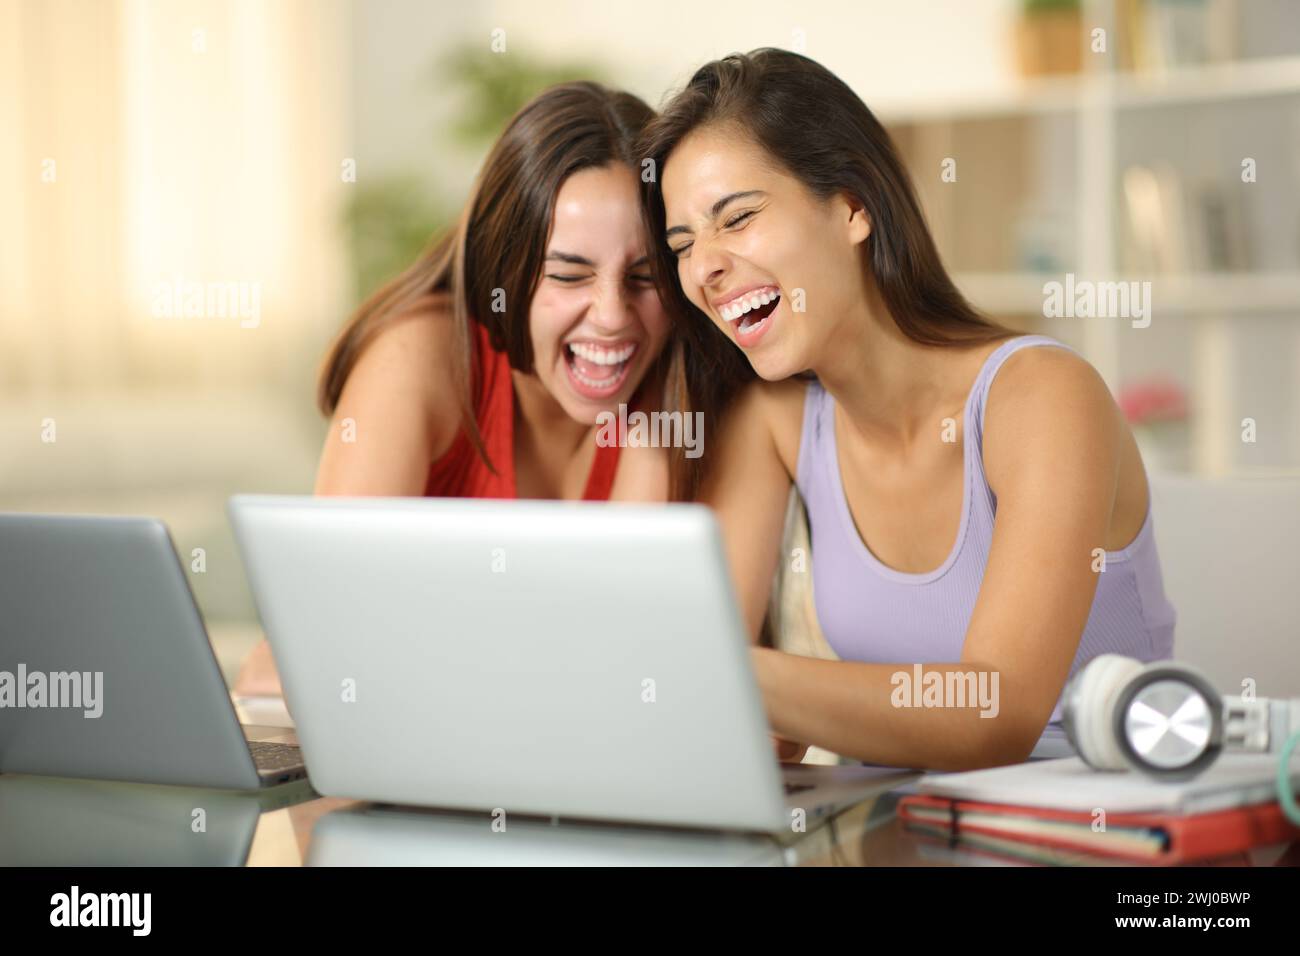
(1176, 226)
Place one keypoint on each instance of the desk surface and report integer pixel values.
(868, 834)
(46, 821)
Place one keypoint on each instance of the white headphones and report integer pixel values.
(1166, 720)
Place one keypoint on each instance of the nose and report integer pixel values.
(708, 264)
(610, 312)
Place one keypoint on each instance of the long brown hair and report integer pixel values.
(489, 263)
(813, 125)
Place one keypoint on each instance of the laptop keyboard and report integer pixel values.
(270, 757)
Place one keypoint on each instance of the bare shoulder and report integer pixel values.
(410, 358)
(1048, 399)
(421, 334)
(779, 405)
(1044, 373)
(400, 398)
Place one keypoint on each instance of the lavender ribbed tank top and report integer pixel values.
(870, 612)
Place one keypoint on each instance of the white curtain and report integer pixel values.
(160, 144)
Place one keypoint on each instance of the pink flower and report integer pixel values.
(1154, 400)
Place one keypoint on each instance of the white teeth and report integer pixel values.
(734, 310)
(599, 356)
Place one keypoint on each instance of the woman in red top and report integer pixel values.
(480, 371)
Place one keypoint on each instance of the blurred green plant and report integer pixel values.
(390, 220)
(1030, 7)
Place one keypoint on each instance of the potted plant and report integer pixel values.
(1049, 37)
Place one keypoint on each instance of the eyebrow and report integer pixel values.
(716, 209)
(576, 260)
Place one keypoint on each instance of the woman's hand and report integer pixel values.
(788, 751)
(258, 676)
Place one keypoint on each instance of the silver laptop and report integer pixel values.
(106, 671)
(52, 821)
(542, 658)
(370, 834)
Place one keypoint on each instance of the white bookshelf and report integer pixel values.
(1240, 293)
(1212, 307)
(1208, 83)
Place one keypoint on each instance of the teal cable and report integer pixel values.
(1284, 795)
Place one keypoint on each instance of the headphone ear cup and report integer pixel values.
(1089, 716)
(1196, 711)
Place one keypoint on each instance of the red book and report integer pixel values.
(1155, 838)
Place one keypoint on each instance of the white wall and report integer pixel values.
(891, 52)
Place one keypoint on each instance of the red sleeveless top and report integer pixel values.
(461, 473)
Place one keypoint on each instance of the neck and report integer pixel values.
(543, 420)
(890, 388)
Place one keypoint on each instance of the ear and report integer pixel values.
(859, 222)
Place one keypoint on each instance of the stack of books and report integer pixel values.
(1062, 812)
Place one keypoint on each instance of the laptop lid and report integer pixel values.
(105, 667)
(371, 835)
(580, 659)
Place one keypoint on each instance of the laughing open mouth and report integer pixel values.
(751, 309)
(597, 370)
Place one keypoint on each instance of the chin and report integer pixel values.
(589, 413)
(775, 366)
(584, 410)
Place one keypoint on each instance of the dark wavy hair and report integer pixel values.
(818, 130)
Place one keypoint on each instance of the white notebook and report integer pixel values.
(1235, 780)
(262, 711)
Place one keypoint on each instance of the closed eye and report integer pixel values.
(736, 220)
(566, 278)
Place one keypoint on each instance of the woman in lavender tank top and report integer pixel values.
(979, 513)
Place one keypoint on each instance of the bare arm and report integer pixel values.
(1051, 452)
(747, 485)
(398, 412)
